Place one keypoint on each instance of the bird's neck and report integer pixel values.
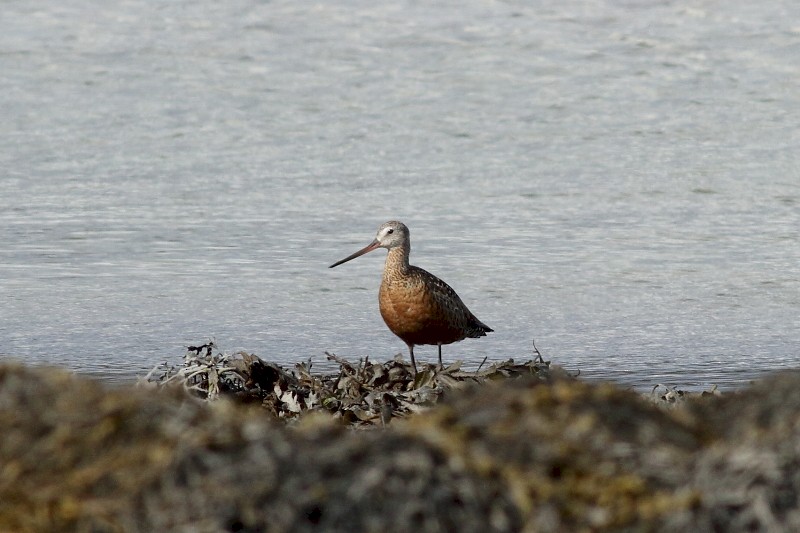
(396, 262)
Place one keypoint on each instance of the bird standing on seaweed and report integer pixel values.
(417, 306)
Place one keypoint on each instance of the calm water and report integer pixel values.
(618, 180)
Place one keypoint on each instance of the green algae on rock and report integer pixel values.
(509, 455)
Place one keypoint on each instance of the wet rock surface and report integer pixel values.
(525, 453)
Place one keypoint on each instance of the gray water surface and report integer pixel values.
(618, 180)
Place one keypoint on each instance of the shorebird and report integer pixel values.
(417, 306)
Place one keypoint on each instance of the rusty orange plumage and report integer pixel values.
(417, 306)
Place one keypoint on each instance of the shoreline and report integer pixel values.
(724, 380)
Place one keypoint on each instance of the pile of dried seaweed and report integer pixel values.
(671, 396)
(360, 394)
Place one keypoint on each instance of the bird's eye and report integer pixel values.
(390, 230)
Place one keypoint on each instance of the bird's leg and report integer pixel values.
(413, 362)
(440, 356)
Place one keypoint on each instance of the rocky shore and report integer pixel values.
(512, 447)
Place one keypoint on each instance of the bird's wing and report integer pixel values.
(445, 297)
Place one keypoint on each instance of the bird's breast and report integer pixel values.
(411, 313)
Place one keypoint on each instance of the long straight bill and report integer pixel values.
(368, 248)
